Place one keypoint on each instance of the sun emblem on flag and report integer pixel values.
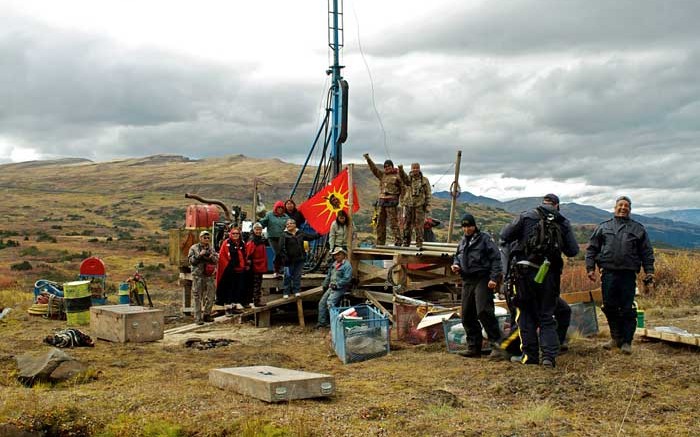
(334, 201)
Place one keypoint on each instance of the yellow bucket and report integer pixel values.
(77, 298)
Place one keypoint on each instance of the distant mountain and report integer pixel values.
(666, 230)
(681, 215)
(469, 198)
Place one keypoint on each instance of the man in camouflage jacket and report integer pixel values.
(417, 203)
(389, 192)
(203, 260)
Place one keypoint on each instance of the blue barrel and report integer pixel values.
(123, 293)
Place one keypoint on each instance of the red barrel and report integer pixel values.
(92, 266)
(201, 216)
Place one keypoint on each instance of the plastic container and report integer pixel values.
(77, 299)
(640, 319)
(357, 340)
(123, 293)
(542, 271)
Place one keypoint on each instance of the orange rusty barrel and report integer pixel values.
(201, 216)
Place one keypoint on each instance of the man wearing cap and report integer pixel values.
(537, 301)
(203, 261)
(478, 262)
(336, 284)
(390, 187)
(619, 247)
(417, 203)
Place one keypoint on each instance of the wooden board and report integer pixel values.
(583, 296)
(125, 323)
(669, 336)
(273, 384)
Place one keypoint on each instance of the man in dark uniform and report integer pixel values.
(478, 262)
(620, 246)
(536, 301)
(390, 188)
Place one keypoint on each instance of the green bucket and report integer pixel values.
(640, 318)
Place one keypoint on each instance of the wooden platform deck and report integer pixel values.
(670, 337)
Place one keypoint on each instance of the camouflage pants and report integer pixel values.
(415, 219)
(390, 213)
(203, 294)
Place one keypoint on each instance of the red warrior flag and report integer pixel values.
(321, 209)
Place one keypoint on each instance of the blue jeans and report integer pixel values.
(331, 298)
(292, 277)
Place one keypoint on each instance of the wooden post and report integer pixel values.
(300, 312)
(454, 192)
(255, 200)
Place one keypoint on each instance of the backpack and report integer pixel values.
(545, 240)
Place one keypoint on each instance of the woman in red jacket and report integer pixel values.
(257, 254)
(232, 273)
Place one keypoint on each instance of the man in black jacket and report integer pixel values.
(536, 301)
(478, 262)
(620, 246)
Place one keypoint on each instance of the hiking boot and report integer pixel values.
(208, 318)
(626, 348)
(564, 347)
(199, 322)
(610, 344)
(516, 359)
(547, 363)
(258, 304)
(297, 294)
(470, 353)
(498, 354)
(285, 296)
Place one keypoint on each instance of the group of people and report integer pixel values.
(403, 201)
(232, 278)
(530, 260)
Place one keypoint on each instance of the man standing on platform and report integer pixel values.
(389, 192)
(417, 203)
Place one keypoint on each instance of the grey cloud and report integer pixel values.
(536, 26)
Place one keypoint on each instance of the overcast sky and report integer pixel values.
(589, 99)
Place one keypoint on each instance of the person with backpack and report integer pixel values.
(203, 260)
(478, 262)
(620, 247)
(541, 235)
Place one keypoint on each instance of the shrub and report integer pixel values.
(24, 265)
(29, 251)
(43, 236)
(8, 243)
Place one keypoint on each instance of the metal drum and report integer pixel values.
(77, 299)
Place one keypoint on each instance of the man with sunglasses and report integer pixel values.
(203, 260)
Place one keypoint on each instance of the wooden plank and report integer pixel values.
(379, 306)
(670, 337)
(583, 296)
(424, 284)
(379, 296)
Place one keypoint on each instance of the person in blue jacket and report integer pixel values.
(337, 282)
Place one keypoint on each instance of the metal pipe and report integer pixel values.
(221, 204)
